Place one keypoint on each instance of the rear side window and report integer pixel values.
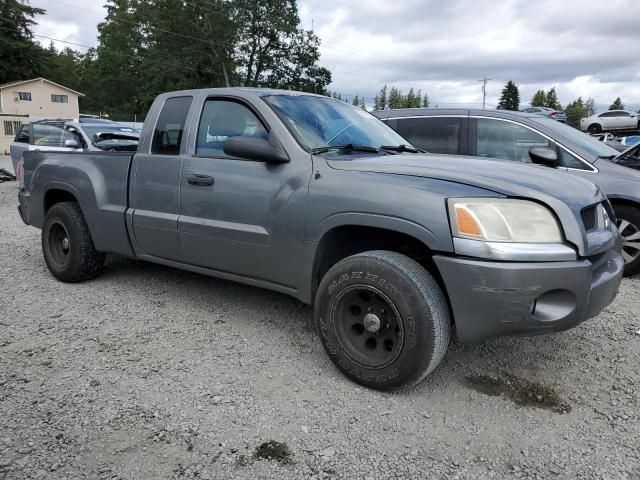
(222, 119)
(50, 135)
(23, 135)
(167, 136)
(435, 135)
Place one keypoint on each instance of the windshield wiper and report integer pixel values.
(352, 147)
(401, 148)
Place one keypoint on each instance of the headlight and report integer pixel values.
(503, 220)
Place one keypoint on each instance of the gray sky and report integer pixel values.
(585, 48)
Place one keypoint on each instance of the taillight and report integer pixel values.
(20, 173)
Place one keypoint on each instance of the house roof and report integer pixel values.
(13, 84)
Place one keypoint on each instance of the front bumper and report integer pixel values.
(491, 299)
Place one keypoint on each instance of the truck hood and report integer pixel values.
(565, 194)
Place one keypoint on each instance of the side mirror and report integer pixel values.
(71, 143)
(257, 149)
(544, 156)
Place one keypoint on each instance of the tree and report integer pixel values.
(539, 99)
(510, 98)
(425, 101)
(551, 99)
(380, 100)
(575, 111)
(396, 99)
(20, 57)
(617, 105)
(590, 107)
(410, 99)
(356, 101)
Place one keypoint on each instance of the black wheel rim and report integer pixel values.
(368, 326)
(630, 240)
(59, 245)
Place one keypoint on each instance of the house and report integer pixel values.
(31, 100)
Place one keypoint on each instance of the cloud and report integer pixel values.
(582, 47)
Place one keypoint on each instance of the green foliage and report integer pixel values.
(425, 101)
(380, 101)
(20, 57)
(396, 99)
(575, 111)
(551, 100)
(510, 98)
(539, 99)
(617, 105)
(590, 107)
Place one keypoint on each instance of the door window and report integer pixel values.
(506, 140)
(221, 120)
(167, 136)
(436, 135)
(23, 135)
(50, 135)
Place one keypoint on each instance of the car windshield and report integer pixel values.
(95, 129)
(321, 122)
(592, 145)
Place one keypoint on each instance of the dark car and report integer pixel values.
(507, 135)
(629, 158)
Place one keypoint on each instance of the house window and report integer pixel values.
(11, 127)
(24, 96)
(60, 98)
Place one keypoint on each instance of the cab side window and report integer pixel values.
(506, 140)
(23, 134)
(223, 119)
(435, 135)
(167, 136)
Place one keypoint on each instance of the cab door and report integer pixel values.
(155, 184)
(238, 215)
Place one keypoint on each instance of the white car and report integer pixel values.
(610, 120)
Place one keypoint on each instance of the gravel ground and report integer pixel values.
(153, 373)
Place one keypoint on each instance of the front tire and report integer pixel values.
(382, 319)
(67, 245)
(629, 228)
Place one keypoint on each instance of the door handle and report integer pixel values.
(200, 180)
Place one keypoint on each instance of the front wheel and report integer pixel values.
(67, 245)
(629, 228)
(382, 319)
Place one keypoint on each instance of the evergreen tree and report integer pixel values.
(356, 101)
(575, 111)
(425, 101)
(590, 107)
(551, 99)
(510, 98)
(20, 57)
(410, 99)
(396, 99)
(539, 99)
(617, 105)
(380, 100)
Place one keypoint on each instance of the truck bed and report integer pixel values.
(97, 180)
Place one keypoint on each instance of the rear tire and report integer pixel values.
(67, 245)
(594, 128)
(382, 319)
(629, 228)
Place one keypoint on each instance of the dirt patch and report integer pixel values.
(520, 391)
(273, 450)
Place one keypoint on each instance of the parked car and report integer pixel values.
(315, 198)
(630, 157)
(609, 121)
(65, 136)
(511, 136)
(547, 112)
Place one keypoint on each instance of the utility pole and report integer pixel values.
(484, 90)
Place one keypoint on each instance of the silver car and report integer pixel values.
(610, 120)
(65, 136)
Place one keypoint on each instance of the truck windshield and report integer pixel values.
(321, 122)
(595, 147)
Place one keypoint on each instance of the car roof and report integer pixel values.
(434, 112)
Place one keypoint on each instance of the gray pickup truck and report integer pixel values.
(317, 199)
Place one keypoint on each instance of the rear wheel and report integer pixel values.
(67, 245)
(382, 319)
(594, 128)
(629, 228)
